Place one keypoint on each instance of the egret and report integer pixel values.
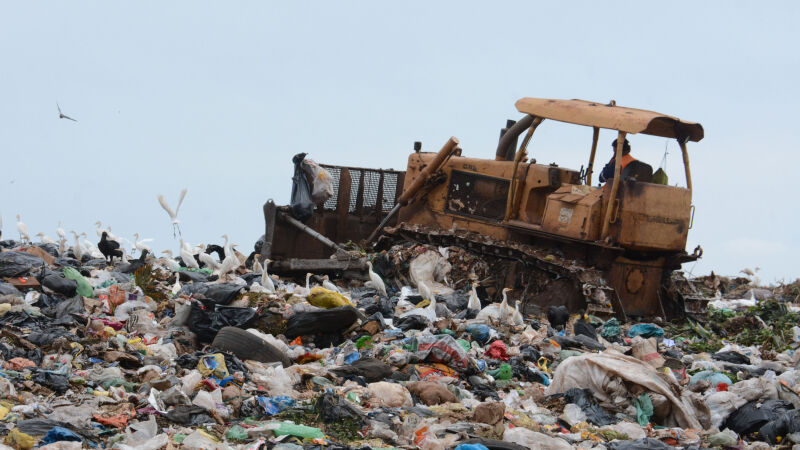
(497, 313)
(230, 263)
(474, 302)
(44, 238)
(266, 281)
(376, 280)
(207, 259)
(170, 261)
(187, 256)
(257, 268)
(60, 231)
(425, 291)
(173, 215)
(77, 248)
(177, 286)
(516, 317)
(327, 284)
(141, 244)
(23, 230)
(428, 312)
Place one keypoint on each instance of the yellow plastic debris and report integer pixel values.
(3, 412)
(323, 298)
(4, 308)
(213, 365)
(19, 440)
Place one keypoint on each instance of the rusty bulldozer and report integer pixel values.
(555, 238)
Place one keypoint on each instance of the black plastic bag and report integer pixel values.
(753, 415)
(301, 206)
(8, 289)
(56, 383)
(595, 414)
(334, 408)
(48, 335)
(188, 415)
(222, 294)
(205, 323)
(786, 424)
(16, 264)
(412, 322)
(584, 328)
(334, 320)
(731, 357)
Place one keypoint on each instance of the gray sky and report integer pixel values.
(218, 97)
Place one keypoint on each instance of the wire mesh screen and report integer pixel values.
(371, 188)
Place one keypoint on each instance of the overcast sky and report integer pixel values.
(217, 97)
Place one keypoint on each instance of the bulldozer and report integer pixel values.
(611, 250)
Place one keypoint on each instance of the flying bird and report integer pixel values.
(173, 215)
(62, 115)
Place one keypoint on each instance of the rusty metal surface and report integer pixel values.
(652, 217)
(629, 120)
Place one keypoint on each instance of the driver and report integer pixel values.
(608, 171)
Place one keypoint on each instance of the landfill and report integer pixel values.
(149, 353)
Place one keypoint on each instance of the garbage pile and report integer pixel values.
(148, 353)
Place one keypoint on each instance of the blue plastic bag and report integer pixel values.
(274, 405)
(57, 434)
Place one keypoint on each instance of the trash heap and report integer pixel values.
(139, 355)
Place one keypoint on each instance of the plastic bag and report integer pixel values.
(392, 395)
(334, 408)
(595, 414)
(645, 330)
(333, 320)
(301, 206)
(207, 323)
(322, 184)
(754, 415)
(532, 439)
(440, 349)
(16, 264)
(84, 288)
(324, 298)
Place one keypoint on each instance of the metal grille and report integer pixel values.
(372, 179)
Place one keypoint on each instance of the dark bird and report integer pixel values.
(109, 248)
(557, 316)
(216, 248)
(62, 115)
(136, 263)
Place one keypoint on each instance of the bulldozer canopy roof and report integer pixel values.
(629, 120)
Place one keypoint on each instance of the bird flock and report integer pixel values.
(229, 264)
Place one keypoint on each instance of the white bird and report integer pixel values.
(77, 250)
(266, 280)
(173, 215)
(207, 259)
(99, 230)
(187, 256)
(425, 291)
(496, 313)
(170, 262)
(516, 317)
(44, 239)
(257, 267)
(60, 231)
(23, 230)
(141, 244)
(177, 286)
(327, 284)
(91, 249)
(428, 312)
(376, 280)
(62, 246)
(474, 302)
(230, 263)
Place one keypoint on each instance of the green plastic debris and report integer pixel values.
(178, 437)
(84, 288)
(448, 331)
(504, 372)
(611, 328)
(644, 409)
(288, 428)
(660, 177)
(464, 344)
(364, 342)
(236, 433)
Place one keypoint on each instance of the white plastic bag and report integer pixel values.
(322, 181)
